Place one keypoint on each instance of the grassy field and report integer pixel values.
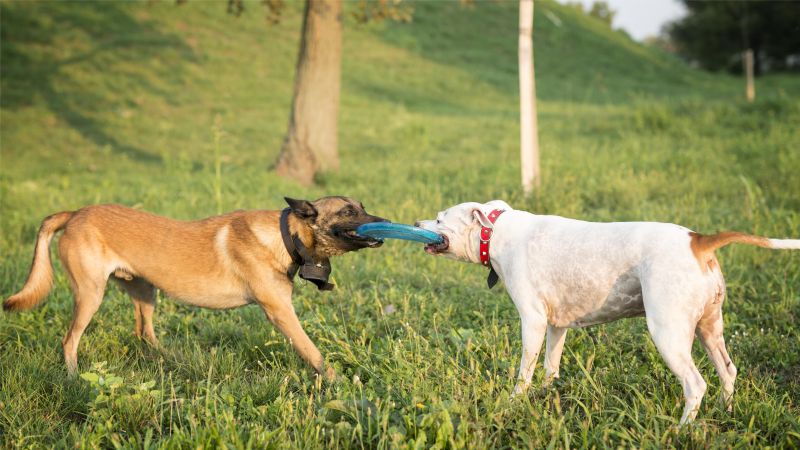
(121, 103)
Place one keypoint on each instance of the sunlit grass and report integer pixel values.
(128, 113)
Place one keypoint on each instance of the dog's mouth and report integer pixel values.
(441, 247)
(365, 241)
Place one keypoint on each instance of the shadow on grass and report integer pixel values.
(35, 44)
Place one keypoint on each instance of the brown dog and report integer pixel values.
(220, 262)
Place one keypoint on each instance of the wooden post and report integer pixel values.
(528, 127)
(748, 73)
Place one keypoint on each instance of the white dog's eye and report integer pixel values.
(438, 221)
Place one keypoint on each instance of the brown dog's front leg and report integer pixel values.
(277, 305)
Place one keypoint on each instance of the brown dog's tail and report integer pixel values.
(40, 278)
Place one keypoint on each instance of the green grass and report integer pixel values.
(123, 102)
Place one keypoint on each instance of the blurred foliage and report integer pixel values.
(364, 11)
(273, 8)
(714, 34)
(378, 10)
(600, 10)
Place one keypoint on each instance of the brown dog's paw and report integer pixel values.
(330, 375)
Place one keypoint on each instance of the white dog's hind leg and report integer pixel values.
(674, 300)
(674, 343)
(552, 355)
(709, 329)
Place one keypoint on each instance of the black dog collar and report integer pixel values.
(316, 272)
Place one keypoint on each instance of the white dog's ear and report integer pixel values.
(499, 204)
(480, 216)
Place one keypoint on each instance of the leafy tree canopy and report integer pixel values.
(364, 12)
(599, 10)
(714, 34)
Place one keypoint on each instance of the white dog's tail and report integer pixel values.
(40, 277)
(785, 244)
(708, 243)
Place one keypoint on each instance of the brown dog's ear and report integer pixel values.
(302, 208)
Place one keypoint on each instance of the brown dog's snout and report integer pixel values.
(379, 219)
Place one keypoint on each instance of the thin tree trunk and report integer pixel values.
(750, 90)
(311, 141)
(528, 127)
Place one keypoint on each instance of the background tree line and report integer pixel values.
(713, 35)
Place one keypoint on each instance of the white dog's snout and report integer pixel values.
(425, 224)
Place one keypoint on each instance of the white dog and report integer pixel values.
(563, 273)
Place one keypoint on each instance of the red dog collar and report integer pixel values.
(483, 248)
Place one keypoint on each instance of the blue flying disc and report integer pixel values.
(382, 230)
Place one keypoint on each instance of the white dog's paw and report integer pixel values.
(549, 379)
(519, 389)
(726, 402)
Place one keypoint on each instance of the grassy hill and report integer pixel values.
(115, 102)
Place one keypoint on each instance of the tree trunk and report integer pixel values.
(311, 140)
(750, 89)
(528, 126)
